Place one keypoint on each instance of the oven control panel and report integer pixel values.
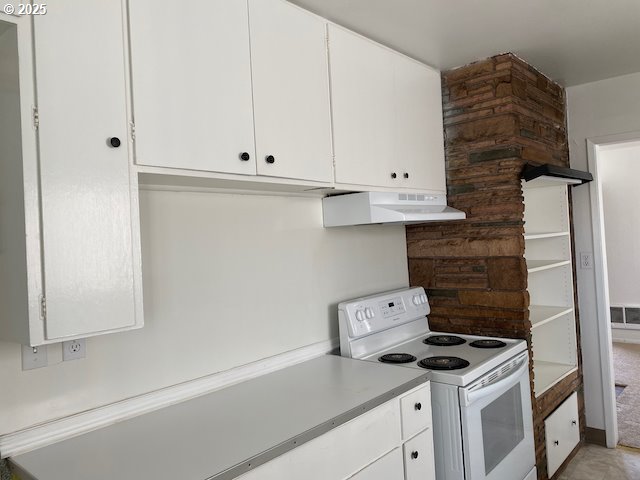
(392, 307)
(367, 315)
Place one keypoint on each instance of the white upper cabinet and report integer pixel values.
(387, 116)
(191, 77)
(290, 91)
(362, 104)
(82, 256)
(418, 135)
(255, 87)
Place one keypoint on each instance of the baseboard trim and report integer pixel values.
(625, 340)
(56, 430)
(595, 436)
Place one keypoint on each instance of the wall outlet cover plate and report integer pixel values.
(34, 357)
(74, 349)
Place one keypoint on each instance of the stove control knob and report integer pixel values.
(360, 315)
(368, 312)
(423, 297)
(417, 300)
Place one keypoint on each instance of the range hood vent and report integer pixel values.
(367, 208)
(551, 174)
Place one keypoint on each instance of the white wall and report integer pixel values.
(619, 170)
(228, 279)
(595, 109)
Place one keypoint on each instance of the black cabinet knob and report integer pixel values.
(556, 442)
(393, 175)
(270, 159)
(114, 142)
(573, 422)
(406, 175)
(414, 454)
(418, 406)
(244, 156)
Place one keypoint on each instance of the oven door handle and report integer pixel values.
(469, 397)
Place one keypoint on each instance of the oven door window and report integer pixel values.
(502, 427)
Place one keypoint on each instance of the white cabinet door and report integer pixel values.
(418, 457)
(291, 91)
(562, 432)
(89, 199)
(419, 140)
(387, 116)
(362, 103)
(191, 79)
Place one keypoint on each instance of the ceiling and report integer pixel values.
(571, 41)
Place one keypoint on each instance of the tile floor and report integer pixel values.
(598, 463)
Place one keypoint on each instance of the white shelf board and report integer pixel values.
(541, 314)
(539, 265)
(547, 374)
(536, 236)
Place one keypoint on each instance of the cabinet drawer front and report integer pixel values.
(389, 467)
(340, 452)
(418, 457)
(562, 430)
(415, 409)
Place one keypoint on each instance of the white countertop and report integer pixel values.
(217, 435)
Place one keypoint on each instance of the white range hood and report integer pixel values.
(381, 207)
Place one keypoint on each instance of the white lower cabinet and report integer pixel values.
(369, 447)
(388, 467)
(418, 457)
(562, 430)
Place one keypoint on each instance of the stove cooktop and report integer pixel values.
(393, 327)
(476, 360)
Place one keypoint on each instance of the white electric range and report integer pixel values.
(480, 392)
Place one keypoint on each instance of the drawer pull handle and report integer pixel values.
(394, 175)
(414, 454)
(270, 159)
(556, 442)
(114, 142)
(245, 157)
(406, 175)
(418, 406)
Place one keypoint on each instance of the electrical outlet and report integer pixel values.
(586, 260)
(74, 349)
(34, 357)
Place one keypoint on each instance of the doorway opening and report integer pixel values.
(615, 196)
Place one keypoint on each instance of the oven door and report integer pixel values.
(497, 425)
